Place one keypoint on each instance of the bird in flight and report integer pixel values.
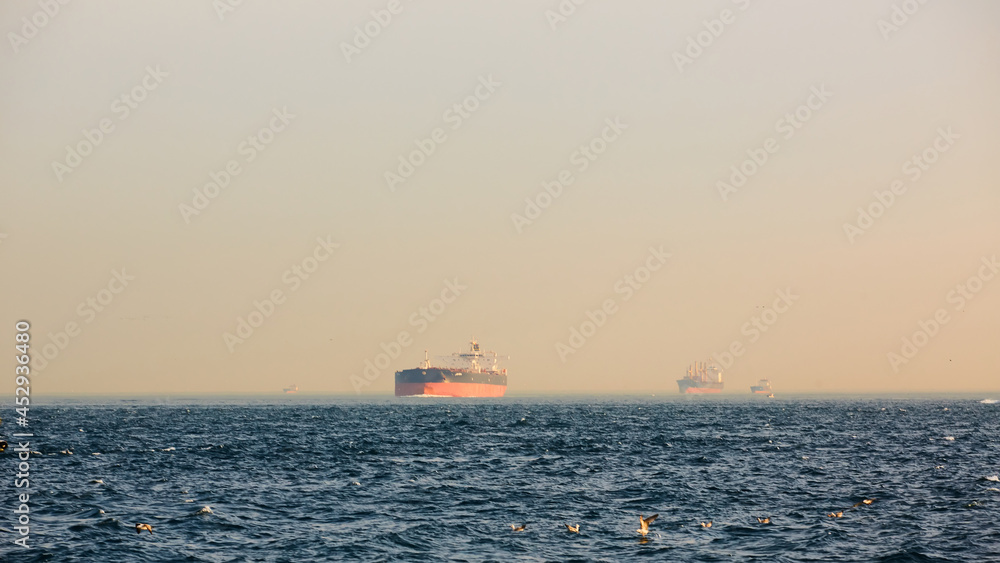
(518, 528)
(645, 522)
(140, 527)
(574, 529)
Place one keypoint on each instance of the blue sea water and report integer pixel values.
(433, 479)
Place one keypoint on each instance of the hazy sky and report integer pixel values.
(311, 105)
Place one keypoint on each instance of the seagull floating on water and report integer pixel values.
(140, 527)
(865, 501)
(645, 522)
(574, 529)
(706, 524)
(764, 520)
(518, 528)
(839, 514)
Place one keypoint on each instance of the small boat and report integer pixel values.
(763, 387)
(293, 388)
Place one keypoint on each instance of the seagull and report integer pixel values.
(865, 501)
(518, 528)
(764, 520)
(574, 529)
(644, 523)
(839, 514)
(140, 527)
(706, 524)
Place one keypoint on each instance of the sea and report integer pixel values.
(303, 478)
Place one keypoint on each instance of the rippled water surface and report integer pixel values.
(426, 479)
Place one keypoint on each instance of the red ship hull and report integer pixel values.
(450, 389)
(701, 390)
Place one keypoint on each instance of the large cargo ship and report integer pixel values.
(763, 387)
(702, 377)
(473, 374)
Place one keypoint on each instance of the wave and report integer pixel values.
(437, 494)
(989, 401)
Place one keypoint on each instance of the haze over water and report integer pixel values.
(206, 203)
(202, 200)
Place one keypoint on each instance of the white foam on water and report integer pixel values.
(205, 510)
(994, 478)
(989, 401)
(950, 438)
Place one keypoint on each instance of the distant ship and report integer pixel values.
(763, 387)
(702, 377)
(293, 388)
(473, 374)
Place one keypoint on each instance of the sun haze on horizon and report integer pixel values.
(209, 198)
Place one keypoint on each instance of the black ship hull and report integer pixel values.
(450, 383)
